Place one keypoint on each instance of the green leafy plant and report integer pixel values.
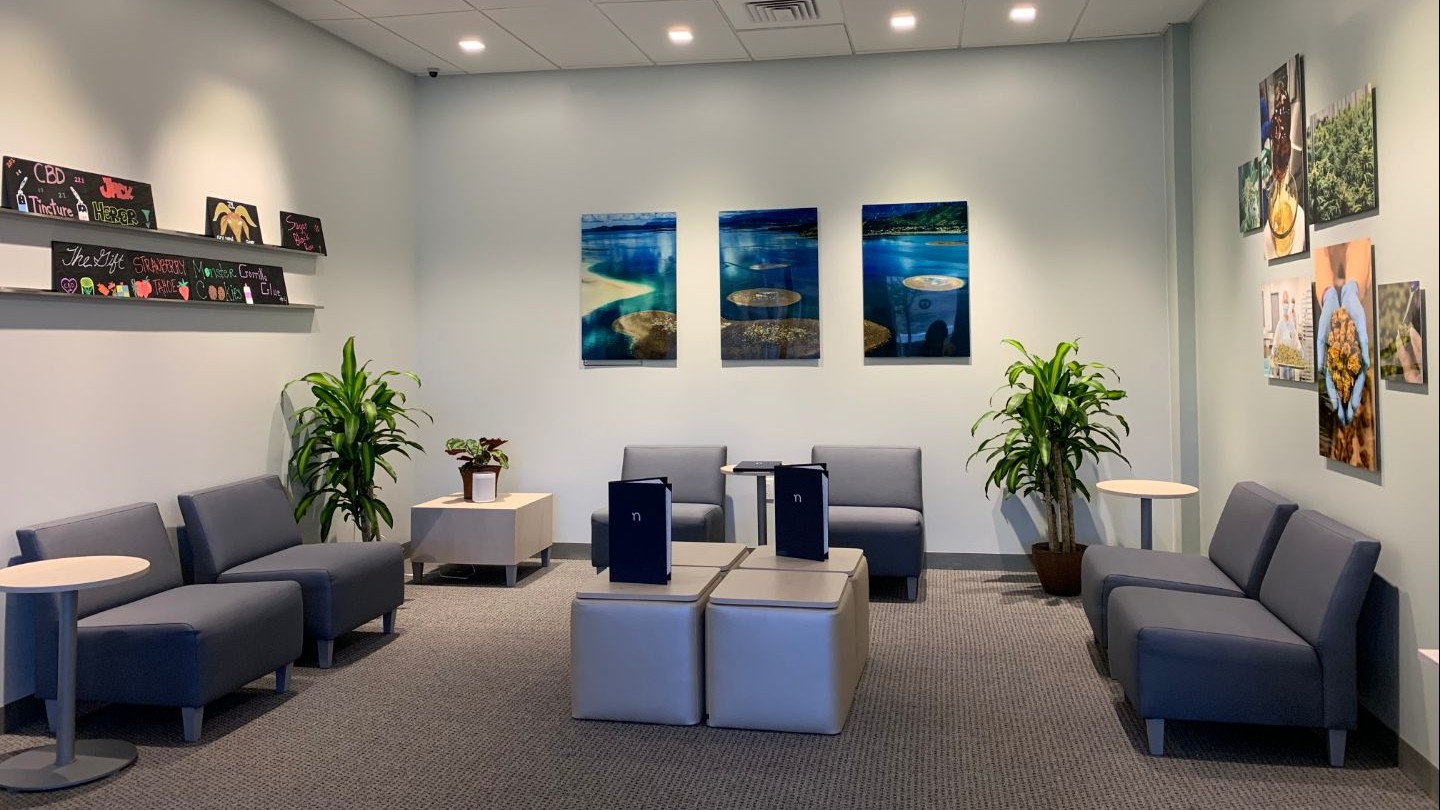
(477, 454)
(340, 440)
(1056, 415)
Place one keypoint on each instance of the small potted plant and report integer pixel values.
(478, 456)
(1057, 415)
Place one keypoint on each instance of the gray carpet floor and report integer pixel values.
(985, 694)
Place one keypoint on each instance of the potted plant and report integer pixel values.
(478, 456)
(340, 440)
(1056, 415)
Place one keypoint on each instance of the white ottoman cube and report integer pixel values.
(780, 651)
(635, 650)
(848, 561)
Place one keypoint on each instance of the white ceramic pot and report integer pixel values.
(484, 487)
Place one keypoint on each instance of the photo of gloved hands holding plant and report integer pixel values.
(1345, 352)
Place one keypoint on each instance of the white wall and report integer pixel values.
(107, 405)
(1058, 150)
(1252, 429)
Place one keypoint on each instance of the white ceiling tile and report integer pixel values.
(1131, 18)
(648, 24)
(487, 5)
(387, 45)
(987, 22)
(441, 34)
(937, 24)
(400, 8)
(318, 9)
(783, 43)
(571, 36)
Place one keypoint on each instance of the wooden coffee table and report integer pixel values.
(514, 527)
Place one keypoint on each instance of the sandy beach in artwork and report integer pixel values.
(596, 290)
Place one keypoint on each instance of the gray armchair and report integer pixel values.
(1240, 551)
(154, 640)
(877, 505)
(1286, 659)
(246, 532)
(697, 492)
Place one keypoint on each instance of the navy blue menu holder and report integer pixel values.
(640, 531)
(802, 511)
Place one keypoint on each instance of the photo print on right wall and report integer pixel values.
(1345, 367)
(1402, 332)
(1282, 160)
(770, 284)
(1249, 175)
(915, 261)
(1342, 158)
(1288, 329)
(627, 288)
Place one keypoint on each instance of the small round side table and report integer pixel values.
(1146, 491)
(760, 475)
(68, 762)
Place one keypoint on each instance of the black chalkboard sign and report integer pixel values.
(299, 232)
(121, 273)
(33, 187)
(232, 221)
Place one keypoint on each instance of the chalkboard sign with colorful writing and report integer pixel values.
(299, 232)
(121, 273)
(33, 187)
(232, 221)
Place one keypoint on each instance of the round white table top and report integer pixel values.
(71, 573)
(1141, 488)
(729, 469)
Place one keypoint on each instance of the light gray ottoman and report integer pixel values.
(780, 652)
(849, 561)
(707, 555)
(635, 650)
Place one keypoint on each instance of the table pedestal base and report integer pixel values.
(35, 769)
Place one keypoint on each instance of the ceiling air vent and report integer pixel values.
(753, 14)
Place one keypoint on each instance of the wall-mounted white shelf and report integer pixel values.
(10, 214)
(51, 295)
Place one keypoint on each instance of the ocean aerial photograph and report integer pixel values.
(916, 266)
(769, 284)
(627, 287)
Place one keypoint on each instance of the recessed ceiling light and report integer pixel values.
(1024, 13)
(903, 21)
(471, 45)
(681, 36)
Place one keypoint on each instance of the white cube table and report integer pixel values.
(780, 652)
(848, 561)
(514, 527)
(706, 555)
(635, 650)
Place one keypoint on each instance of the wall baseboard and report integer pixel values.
(1411, 762)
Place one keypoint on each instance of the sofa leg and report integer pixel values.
(192, 718)
(912, 588)
(387, 622)
(417, 572)
(1337, 747)
(325, 652)
(599, 568)
(1155, 733)
(282, 679)
(52, 713)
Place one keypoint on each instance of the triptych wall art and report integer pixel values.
(915, 276)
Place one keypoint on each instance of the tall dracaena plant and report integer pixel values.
(341, 440)
(1056, 415)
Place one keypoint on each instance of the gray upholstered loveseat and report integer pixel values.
(877, 505)
(246, 532)
(155, 640)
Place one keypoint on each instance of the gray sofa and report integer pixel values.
(246, 532)
(1287, 658)
(697, 489)
(154, 640)
(877, 505)
(1240, 551)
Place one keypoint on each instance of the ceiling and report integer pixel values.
(519, 35)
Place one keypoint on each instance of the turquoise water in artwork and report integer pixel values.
(934, 320)
(632, 259)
